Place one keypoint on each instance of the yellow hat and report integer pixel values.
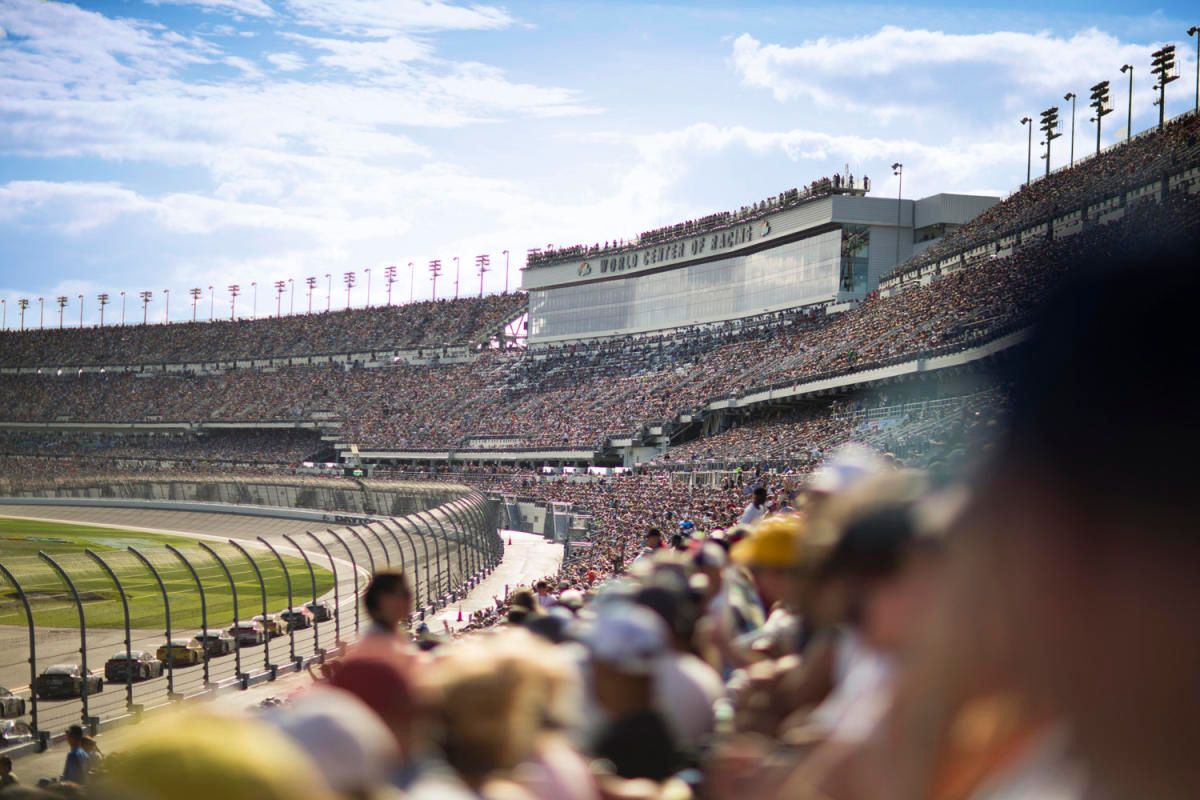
(777, 542)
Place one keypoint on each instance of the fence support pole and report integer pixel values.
(83, 693)
(125, 612)
(237, 651)
(203, 606)
(437, 553)
(387, 559)
(162, 587)
(262, 587)
(416, 570)
(312, 575)
(363, 542)
(33, 704)
(392, 534)
(354, 569)
(337, 603)
(287, 579)
(465, 563)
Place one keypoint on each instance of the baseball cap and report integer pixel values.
(628, 637)
(776, 542)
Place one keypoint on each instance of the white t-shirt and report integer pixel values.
(753, 514)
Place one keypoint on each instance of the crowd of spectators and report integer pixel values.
(274, 447)
(427, 324)
(1119, 168)
(822, 187)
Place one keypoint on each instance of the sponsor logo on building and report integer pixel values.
(585, 269)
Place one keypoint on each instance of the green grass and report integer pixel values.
(20, 541)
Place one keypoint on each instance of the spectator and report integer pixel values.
(77, 765)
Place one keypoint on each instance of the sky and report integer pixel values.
(165, 145)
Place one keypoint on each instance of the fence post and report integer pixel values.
(387, 559)
(475, 527)
(203, 606)
(462, 529)
(460, 541)
(237, 651)
(363, 542)
(162, 587)
(395, 539)
(337, 603)
(416, 570)
(128, 637)
(262, 586)
(33, 704)
(354, 569)
(287, 579)
(83, 694)
(423, 538)
(312, 575)
(437, 553)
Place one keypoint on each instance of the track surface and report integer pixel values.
(62, 645)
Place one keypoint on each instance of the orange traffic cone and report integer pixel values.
(460, 613)
(510, 541)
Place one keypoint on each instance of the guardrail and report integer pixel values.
(446, 550)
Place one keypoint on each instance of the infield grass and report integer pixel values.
(53, 606)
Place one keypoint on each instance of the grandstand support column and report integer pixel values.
(162, 587)
(24, 600)
(438, 552)
(262, 587)
(337, 605)
(237, 651)
(112, 576)
(400, 522)
(203, 604)
(70, 584)
(312, 576)
(430, 583)
(287, 582)
(354, 569)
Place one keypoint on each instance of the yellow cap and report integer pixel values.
(776, 542)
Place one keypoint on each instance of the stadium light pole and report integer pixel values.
(212, 303)
(435, 269)
(412, 281)
(41, 313)
(3, 314)
(328, 291)
(62, 304)
(1071, 96)
(146, 296)
(506, 272)
(1029, 150)
(80, 297)
(254, 301)
(1049, 125)
(279, 298)
(311, 282)
(195, 293)
(457, 272)
(368, 271)
(389, 273)
(1129, 108)
(898, 171)
(234, 291)
(1195, 31)
(348, 277)
(1163, 67)
(166, 306)
(122, 309)
(1102, 105)
(291, 297)
(482, 263)
(23, 303)
(103, 299)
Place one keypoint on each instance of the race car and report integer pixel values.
(217, 643)
(13, 733)
(296, 620)
(247, 633)
(272, 624)
(180, 653)
(11, 706)
(320, 611)
(66, 680)
(141, 664)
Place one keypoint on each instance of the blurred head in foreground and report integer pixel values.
(200, 755)
(1079, 578)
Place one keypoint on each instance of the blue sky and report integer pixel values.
(188, 143)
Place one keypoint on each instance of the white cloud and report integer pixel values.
(287, 62)
(252, 8)
(382, 17)
(388, 55)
